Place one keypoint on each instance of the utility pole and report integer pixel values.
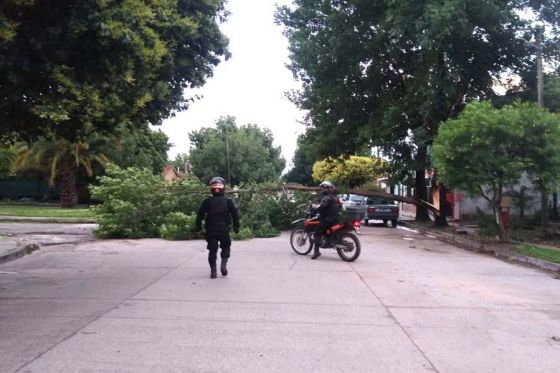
(539, 36)
(539, 40)
(227, 155)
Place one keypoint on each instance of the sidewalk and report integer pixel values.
(462, 240)
(12, 248)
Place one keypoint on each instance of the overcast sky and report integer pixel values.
(250, 86)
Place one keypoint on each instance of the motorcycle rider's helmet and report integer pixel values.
(327, 187)
(217, 185)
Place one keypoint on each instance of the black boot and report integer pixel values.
(223, 267)
(316, 252)
(213, 272)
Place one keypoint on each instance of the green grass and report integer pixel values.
(47, 211)
(551, 255)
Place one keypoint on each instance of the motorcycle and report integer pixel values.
(339, 236)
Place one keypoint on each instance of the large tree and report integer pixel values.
(141, 148)
(70, 67)
(243, 154)
(386, 73)
(302, 162)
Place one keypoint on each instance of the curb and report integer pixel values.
(478, 247)
(24, 219)
(19, 251)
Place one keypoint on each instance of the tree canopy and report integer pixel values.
(351, 172)
(70, 68)
(243, 154)
(141, 148)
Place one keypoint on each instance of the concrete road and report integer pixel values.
(409, 304)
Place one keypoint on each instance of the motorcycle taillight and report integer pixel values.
(357, 223)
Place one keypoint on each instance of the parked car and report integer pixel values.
(382, 209)
(351, 200)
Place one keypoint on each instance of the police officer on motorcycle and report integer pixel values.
(218, 212)
(328, 214)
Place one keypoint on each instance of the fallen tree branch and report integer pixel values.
(360, 192)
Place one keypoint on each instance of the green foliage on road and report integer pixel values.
(178, 226)
(134, 203)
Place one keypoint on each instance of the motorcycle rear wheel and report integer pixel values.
(301, 241)
(348, 247)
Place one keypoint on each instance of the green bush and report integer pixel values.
(178, 226)
(244, 234)
(130, 203)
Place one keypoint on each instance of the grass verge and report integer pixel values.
(45, 211)
(551, 255)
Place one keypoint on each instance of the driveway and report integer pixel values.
(409, 304)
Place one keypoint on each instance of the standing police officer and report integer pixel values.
(328, 214)
(218, 212)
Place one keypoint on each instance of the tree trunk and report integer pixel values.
(441, 220)
(439, 200)
(544, 211)
(68, 193)
(421, 192)
(504, 233)
(555, 206)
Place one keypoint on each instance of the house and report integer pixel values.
(171, 175)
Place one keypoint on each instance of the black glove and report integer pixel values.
(236, 229)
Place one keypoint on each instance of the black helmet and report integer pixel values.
(217, 185)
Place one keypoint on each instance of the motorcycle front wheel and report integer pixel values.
(301, 241)
(348, 247)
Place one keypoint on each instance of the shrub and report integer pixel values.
(178, 226)
(244, 234)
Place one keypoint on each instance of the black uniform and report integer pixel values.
(218, 212)
(328, 211)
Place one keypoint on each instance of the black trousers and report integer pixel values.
(321, 229)
(216, 241)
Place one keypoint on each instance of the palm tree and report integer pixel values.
(62, 160)
(7, 158)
